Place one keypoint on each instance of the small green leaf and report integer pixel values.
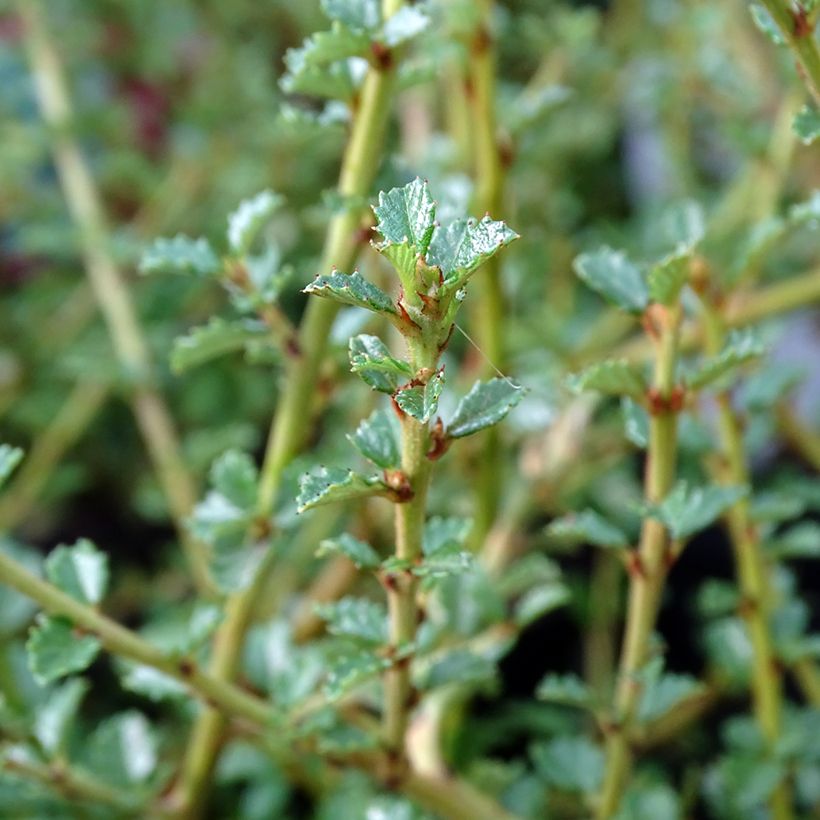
(806, 125)
(765, 22)
(352, 289)
(682, 225)
(655, 801)
(334, 81)
(776, 506)
(540, 600)
(457, 666)
(686, 510)
(568, 690)
(615, 377)
(665, 693)
(57, 713)
(799, 541)
(587, 527)
(325, 47)
(359, 552)
(180, 255)
(10, 457)
(377, 438)
(347, 673)
(463, 246)
(741, 347)
(667, 277)
(218, 337)
(81, 571)
(572, 764)
(421, 402)
(123, 750)
(331, 484)
(357, 618)
(235, 476)
(440, 532)
(55, 650)
(486, 404)
(370, 358)
(358, 14)
(636, 422)
(408, 22)
(611, 274)
(249, 218)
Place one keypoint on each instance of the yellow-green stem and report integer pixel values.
(750, 568)
(107, 282)
(647, 578)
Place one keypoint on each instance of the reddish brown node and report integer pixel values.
(439, 443)
(802, 24)
(634, 565)
(382, 56)
(187, 668)
(399, 485)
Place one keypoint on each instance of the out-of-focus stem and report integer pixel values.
(599, 647)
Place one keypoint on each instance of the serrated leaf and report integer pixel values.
(358, 14)
(235, 476)
(370, 358)
(667, 277)
(538, 601)
(448, 559)
(806, 125)
(180, 255)
(441, 532)
(683, 225)
(615, 377)
(359, 552)
(358, 618)
(457, 666)
(405, 24)
(331, 484)
(686, 510)
(377, 438)
(463, 246)
(55, 650)
(80, 570)
(10, 457)
(741, 347)
(325, 47)
(486, 404)
(123, 749)
(421, 402)
(56, 714)
(352, 289)
(588, 527)
(218, 337)
(335, 81)
(665, 693)
(568, 690)
(349, 672)
(611, 274)
(572, 764)
(249, 218)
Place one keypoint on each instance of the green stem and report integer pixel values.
(293, 415)
(751, 569)
(108, 284)
(71, 783)
(647, 579)
(799, 35)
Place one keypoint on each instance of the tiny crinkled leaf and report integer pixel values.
(406, 216)
(464, 245)
(615, 377)
(359, 552)
(10, 457)
(540, 600)
(636, 422)
(486, 404)
(572, 763)
(234, 475)
(444, 532)
(683, 224)
(421, 401)
(123, 749)
(334, 81)
(249, 218)
(80, 570)
(652, 801)
(408, 22)
(358, 14)
(339, 43)
(180, 255)
(377, 438)
(331, 484)
(611, 274)
(150, 682)
(352, 289)
(348, 672)
(802, 540)
(57, 713)
(687, 510)
(216, 338)
(55, 650)
(665, 693)
(446, 560)
(741, 347)
(457, 666)
(588, 527)
(370, 358)
(568, 690)
(358, 618)
(806, 125)
(667, 277)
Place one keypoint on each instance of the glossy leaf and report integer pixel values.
(568, 690)
(611, 274)
(421, 402)
(377, 438)
(486, 404)
(359, 552)
(80, 570)
(329, 485)
(741, 347)
(180, 255)
(370, 358)
(356, 618)
(352, 289)
(616, 377)
(56, 650)
(588, 527)
(687, 510)
(10, 457)
(217, 338)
